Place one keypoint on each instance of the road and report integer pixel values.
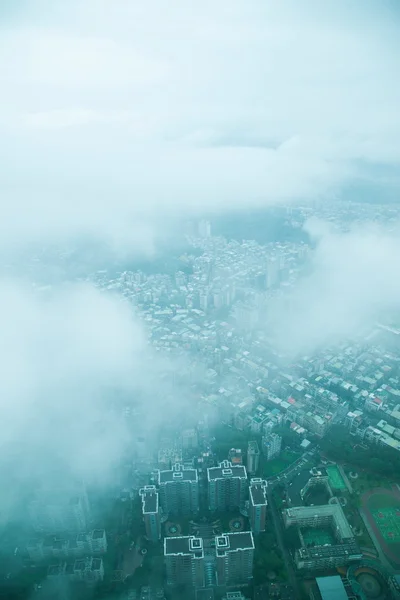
(291, 469)
(276, 520)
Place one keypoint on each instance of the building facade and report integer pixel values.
(227, 486)
(271, 445)
(253, 457)
(184, 561)
(179, 490)
(234, 558)
(151, 512)
(258, 505)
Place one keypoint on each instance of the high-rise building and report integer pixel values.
(257, 504)
(235, 456)
(204, 228)
(234, 557)
(151, 512)
(253, 457)
(53, 511)
(227, 486)
(189, 439)
(271, 445)
(179, 490)
(184, 561)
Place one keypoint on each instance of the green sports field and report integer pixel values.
(335, 479)
(388, 521)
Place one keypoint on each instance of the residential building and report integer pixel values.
(179, 490)
(253, 457)
(271, 445)
(235, 456)
(227, 486)
(60, 510)
(151, 512)
(257, 505)
(87, 570)
(190, 439)
(234, 558)
(184, 561)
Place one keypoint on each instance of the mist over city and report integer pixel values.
(200, 300)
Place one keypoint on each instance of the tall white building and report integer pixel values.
(179, 490)
(234, 558)
(227, 486)
(184, 561)
(253, 457)
(204, 228)
(271, 445)
(60, 510)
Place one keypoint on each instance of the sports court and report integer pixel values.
(317, 537)
(388, 522)
(336, 481)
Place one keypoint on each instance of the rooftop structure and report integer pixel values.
(227, 486)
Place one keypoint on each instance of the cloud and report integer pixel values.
(72, 359)
(148, 108)
(352, 284)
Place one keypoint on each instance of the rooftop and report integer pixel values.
(177, 473)
(98, 534)
(331, 588)
(258, 493)
(149, 496)
(326, 510)
(252, 448)
(241, 540)
(183, 545)
(225, 470)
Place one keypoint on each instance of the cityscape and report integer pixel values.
(280, 482)
(199, 300)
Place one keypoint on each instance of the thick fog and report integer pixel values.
(353, 284)
(114, 112)
(114, 115)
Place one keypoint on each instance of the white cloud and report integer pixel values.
(71, 360)
(167, 108)
(353, 284)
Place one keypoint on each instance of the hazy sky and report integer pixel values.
(113, 109)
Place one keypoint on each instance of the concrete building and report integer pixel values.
(253, 457)
(54, 511)
(257, 505)
(329, 588)
(271, 445)
(190, 439)
(87, 570)
(179, 490)
(227, 486)
(67, 546)
(342, 548)
(184, 561)
(235, 456)
(234, 558)
(151, 512)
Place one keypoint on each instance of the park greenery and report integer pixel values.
(342, 447)
(267, 558)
